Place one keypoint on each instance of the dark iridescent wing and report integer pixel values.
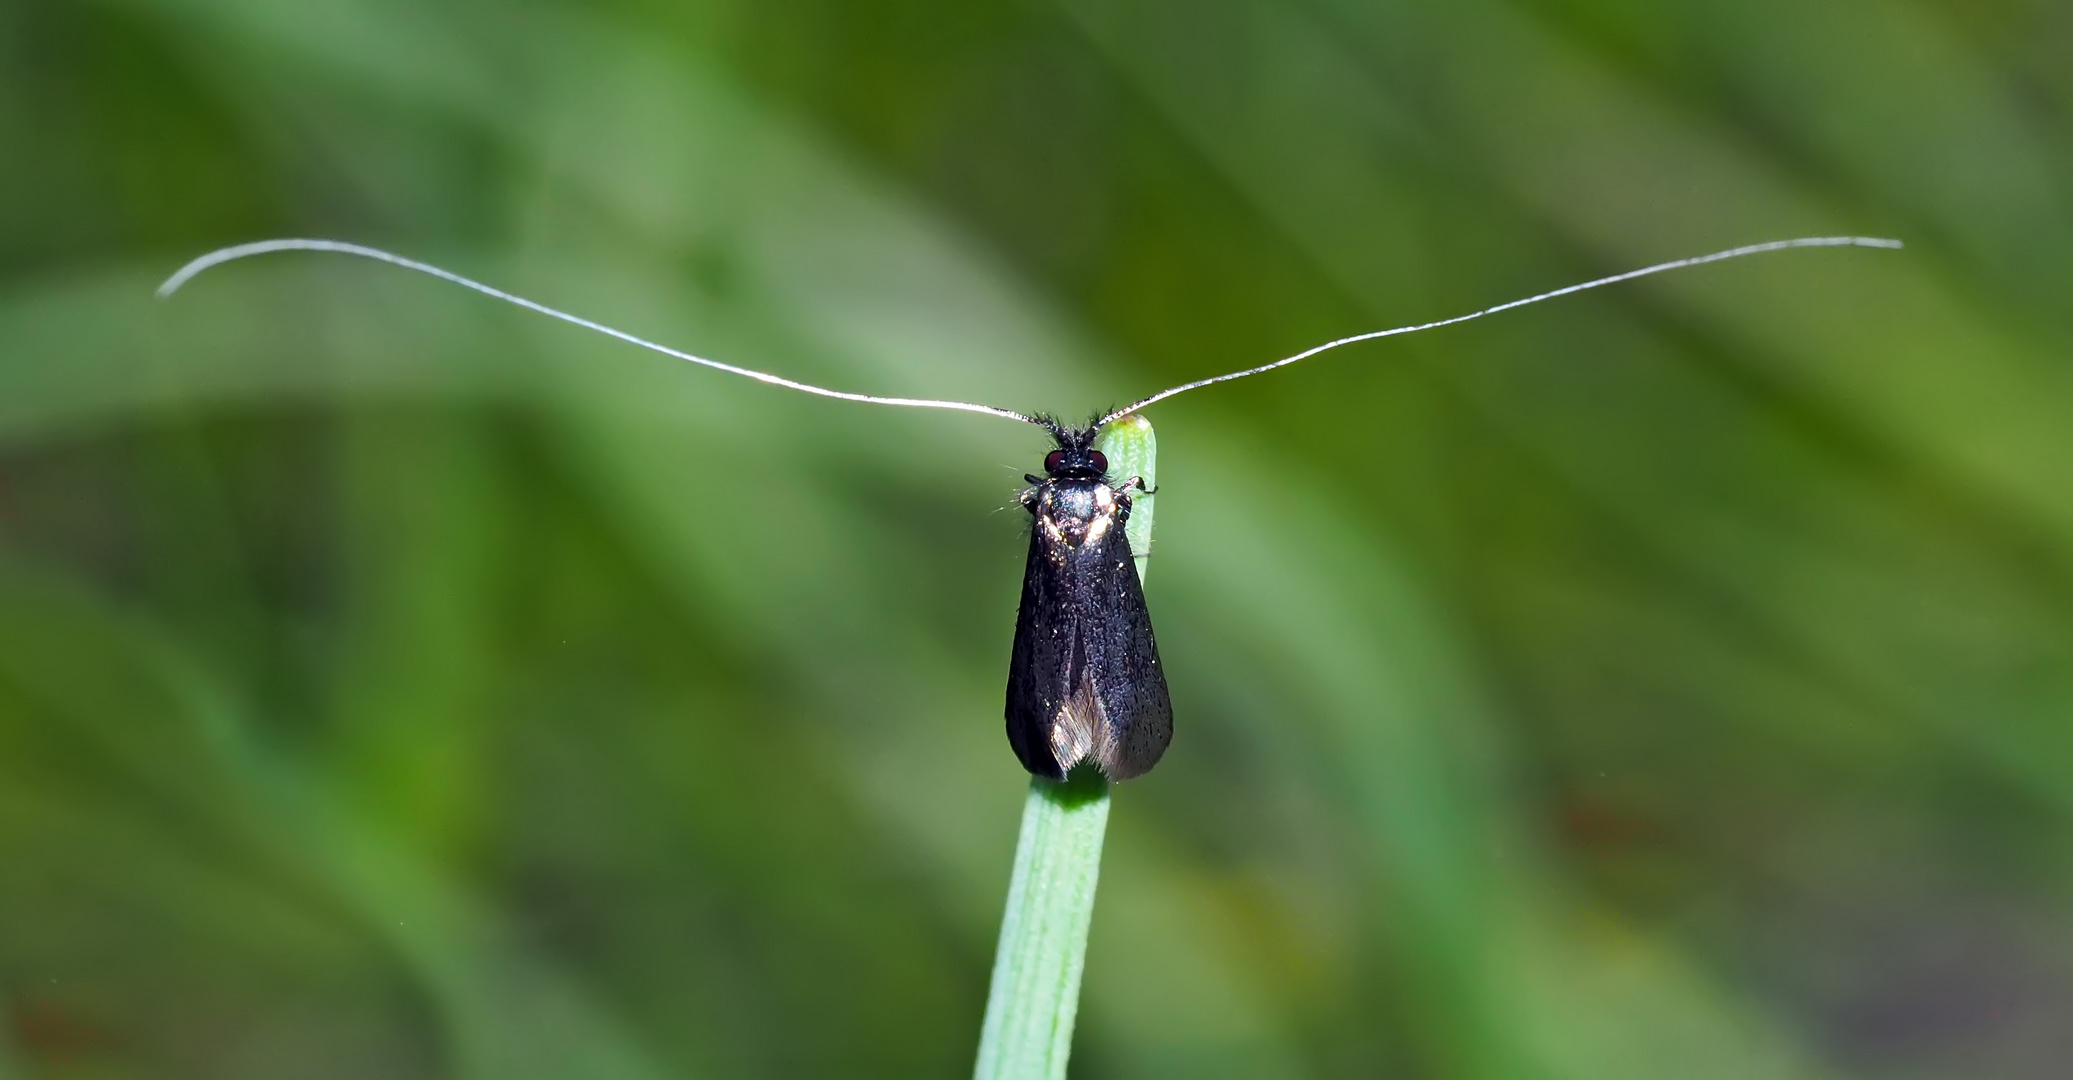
(1046, 630)
(1084, 680)
(1124, 661)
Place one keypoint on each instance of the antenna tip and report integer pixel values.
(186, 273)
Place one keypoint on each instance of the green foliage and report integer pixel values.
(1671, 681)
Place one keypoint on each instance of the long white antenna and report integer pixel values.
(1731, 253)
(263, 247)
(215, 258)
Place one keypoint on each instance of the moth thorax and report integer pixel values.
(1077, 512)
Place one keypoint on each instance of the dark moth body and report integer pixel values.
(1084, 681)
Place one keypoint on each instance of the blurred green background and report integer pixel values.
(1673, 681)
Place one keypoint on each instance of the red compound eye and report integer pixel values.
(1053, 460)
(1099, 459)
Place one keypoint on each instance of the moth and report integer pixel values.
(1084, 682)
(1085, 686)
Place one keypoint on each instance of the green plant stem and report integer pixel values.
(1043, 944)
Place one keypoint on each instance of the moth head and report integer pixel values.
(1075, 458)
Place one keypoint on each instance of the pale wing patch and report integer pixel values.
(1098, 528)
(1080, 724)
